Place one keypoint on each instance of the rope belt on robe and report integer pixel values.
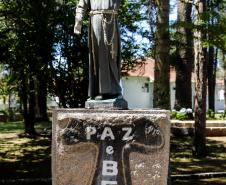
(105, 22)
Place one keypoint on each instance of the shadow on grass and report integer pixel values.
(183, 162)
(213, 181)
(25, 158)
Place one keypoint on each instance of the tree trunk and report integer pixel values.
(184, 56)
(211, 78)
(10, 109)
(224, 64)
(28, 120)
(212, 64)
(200, 87)
(161, 83)
(31, 116)
(41, 100)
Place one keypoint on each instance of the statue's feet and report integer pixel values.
(99, 97)
(107, 96)
(91, 98)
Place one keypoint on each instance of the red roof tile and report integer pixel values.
(145, 68)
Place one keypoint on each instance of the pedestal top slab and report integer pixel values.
(110, 147)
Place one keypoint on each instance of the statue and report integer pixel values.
(104, 45)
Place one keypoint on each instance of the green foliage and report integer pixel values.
(132, 16)
(211, 113)
(39, 46)
(182, 116)
(179, 115)
(173, 115)
(5, 112)
(69, 66)
(224, 115)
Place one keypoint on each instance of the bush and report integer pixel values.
(211, 113)
(5, 112)
(182, 116)
(173, 115)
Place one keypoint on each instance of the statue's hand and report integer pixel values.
(77, 28)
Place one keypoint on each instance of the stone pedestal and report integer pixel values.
(96, 147)
(112, 104)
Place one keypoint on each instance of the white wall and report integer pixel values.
(219, 100)
(138, 97)
(172, 94)
(138, 92)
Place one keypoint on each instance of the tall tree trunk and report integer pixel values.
(41, 100)
(184, 56)
(211, 75)
(212, 64)
(200, 87)
(161, 83)
(224, 65)
(10, 109)
(31, 100)
(28, 118)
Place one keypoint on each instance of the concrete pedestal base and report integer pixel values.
(113, 147)
(110, 104)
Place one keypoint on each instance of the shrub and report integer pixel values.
(211, 113)
(173, 115)
(182, 116)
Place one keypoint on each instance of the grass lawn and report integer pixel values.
(182, 161)
(23, 157)
(30, 158)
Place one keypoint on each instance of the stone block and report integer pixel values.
(111, 104)
(112, 147)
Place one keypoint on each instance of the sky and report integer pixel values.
(173, 10)
(172, 17)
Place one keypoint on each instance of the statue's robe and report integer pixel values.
(104, 68)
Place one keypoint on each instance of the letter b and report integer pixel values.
(110, 168)
(109, 183)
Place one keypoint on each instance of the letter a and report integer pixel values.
(107, 133)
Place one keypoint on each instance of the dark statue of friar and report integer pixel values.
(104, 46)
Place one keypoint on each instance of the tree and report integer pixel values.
(43, 14)
(211, 76)
(132, 16)
(212, 61)
(200, 86)
(29, 30)
(224, 67)
(69, 67)
(184, 55)
(215, 17)
(161, 83)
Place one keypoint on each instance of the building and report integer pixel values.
(138, 86)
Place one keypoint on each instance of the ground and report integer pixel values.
(23, 158)
(182, 161)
